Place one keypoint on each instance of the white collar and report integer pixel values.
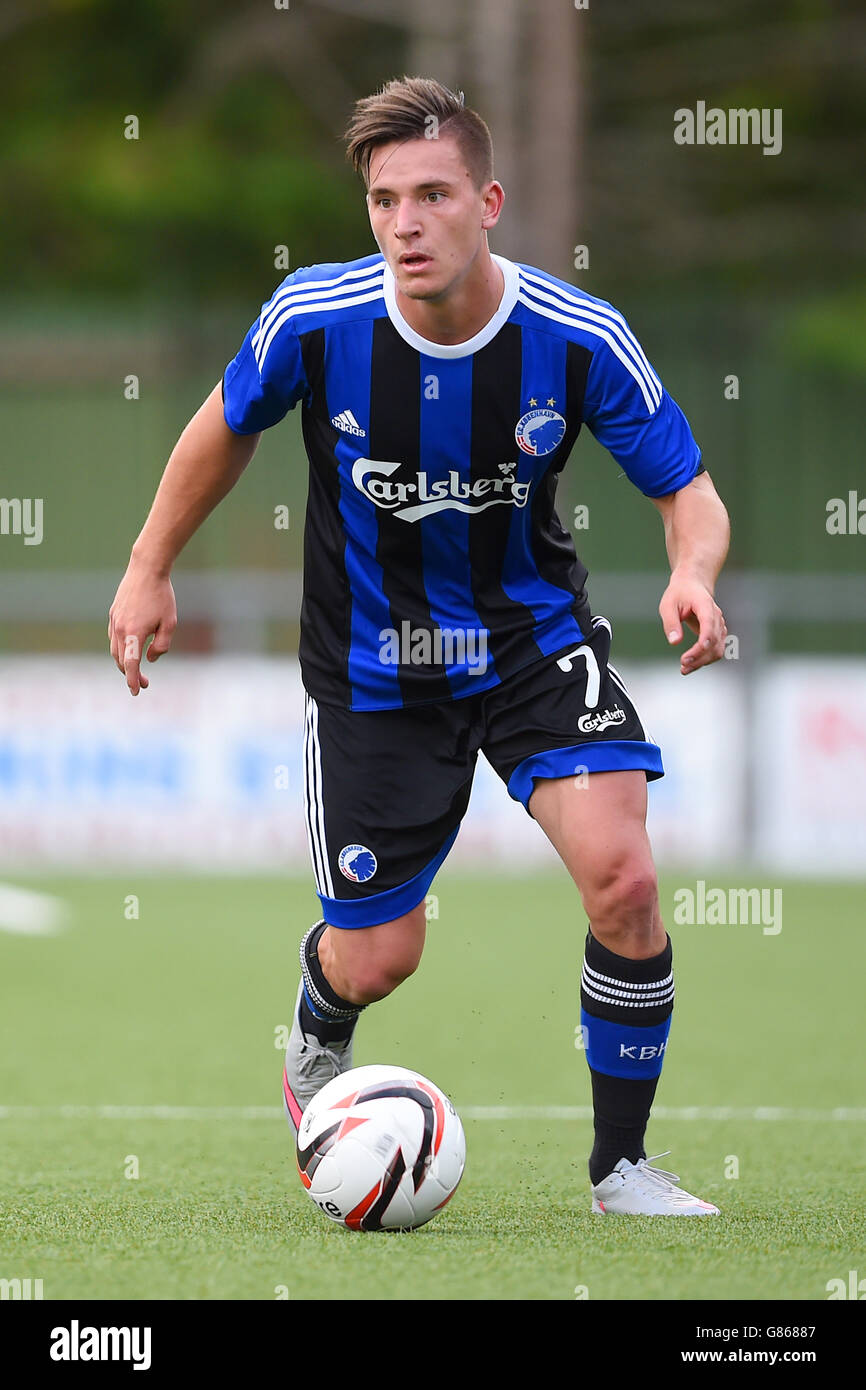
(482, 337)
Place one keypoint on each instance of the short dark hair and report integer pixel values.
(402, 111)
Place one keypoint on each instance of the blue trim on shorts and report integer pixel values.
(384, 907)
(614, 755)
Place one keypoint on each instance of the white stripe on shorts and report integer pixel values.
(314, 804)
(618, 680)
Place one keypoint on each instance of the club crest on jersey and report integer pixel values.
(357, 863)
(539, 431)
(412, 501)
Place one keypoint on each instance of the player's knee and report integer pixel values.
(624, 897)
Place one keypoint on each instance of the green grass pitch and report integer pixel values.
(179, 1006)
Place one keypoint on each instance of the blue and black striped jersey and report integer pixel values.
(433, 469)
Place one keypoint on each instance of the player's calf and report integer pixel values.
(626, 1007)
(365, 964)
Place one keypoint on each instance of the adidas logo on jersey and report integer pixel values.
(347, 423)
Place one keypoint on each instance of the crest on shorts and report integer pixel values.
(357, 863)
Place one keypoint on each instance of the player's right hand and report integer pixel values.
(144, 606)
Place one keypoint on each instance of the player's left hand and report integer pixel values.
(688, 600)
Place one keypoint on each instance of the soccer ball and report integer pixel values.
(380, 1149)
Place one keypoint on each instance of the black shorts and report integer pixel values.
(386, 790)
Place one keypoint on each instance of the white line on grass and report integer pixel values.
(468, 1112)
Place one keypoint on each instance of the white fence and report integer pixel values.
(204, 770)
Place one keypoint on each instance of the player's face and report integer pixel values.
(427, 215)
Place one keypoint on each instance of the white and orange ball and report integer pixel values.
(381, 1148)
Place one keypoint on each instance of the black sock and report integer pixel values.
(621, 1111)
(626, 1008)
(324, 1013)
(325, 1032)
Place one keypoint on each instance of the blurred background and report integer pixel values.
(162, 166)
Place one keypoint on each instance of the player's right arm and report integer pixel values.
(264, 381)
(204, 466)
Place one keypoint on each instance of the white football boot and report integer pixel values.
(637, 1189)
(310, 1064)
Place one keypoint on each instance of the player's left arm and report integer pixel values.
(640, 424)
(697, 534)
